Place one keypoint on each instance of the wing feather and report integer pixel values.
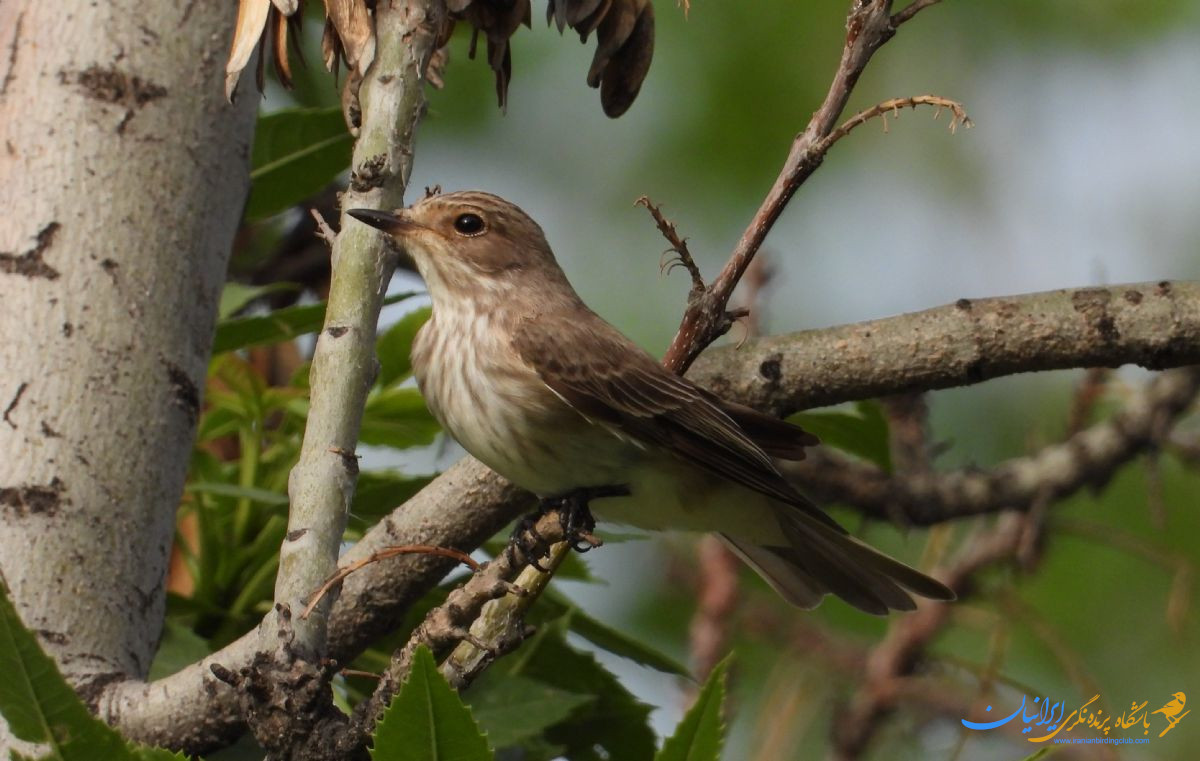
(609, 379)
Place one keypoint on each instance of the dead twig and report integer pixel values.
(911, 10)
(868, 27)
(678, 247)
(453, 623)
(324, 231)
(384, 554)
(958, 116)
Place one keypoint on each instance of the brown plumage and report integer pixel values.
(548, 394)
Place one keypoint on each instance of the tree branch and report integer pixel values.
(868, 27)
(959, 344)
(1155, 325)
(1088, 458)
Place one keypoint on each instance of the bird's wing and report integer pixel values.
(610, 380)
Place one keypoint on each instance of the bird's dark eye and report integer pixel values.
(469, 224)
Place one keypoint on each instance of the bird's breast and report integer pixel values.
(501, 412)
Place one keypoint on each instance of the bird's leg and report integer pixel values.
(575, 516)
(575, 513)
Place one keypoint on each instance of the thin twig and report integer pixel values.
(1015, 537)
(324, 231)
(450, 624)
(678, 247)
(911, 10)
(1087, 395)
(868, 26)
(958, 116)
(387, 552)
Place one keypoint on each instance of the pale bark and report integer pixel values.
(124, 174)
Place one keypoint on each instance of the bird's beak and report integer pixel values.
(390, 223)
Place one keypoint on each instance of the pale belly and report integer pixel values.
(516, 426)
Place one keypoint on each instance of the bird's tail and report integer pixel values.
(820, 560)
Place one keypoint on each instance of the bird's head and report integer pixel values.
(470, 242)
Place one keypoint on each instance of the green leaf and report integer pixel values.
(701, 733)
(297, 152)
(280, 325)
(395, 345)
(398, 418)
(39, 706)
(513, 709)
(427, 721)
(221, 489)
(1043, 753)
(863, 432)
(615, 721)
(145, 753)
(235, 296)
(554, 605)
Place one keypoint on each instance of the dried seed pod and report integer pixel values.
(498, 20)
(622, 78)
(624, 44)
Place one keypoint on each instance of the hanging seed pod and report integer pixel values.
(624, 44)
(498, 21)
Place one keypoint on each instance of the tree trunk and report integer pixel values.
(123, 175)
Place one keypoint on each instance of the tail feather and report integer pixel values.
(790, 581)
(821, 560)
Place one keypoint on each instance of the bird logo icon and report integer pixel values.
(1173, 711)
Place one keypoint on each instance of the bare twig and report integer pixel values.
(868, 27)
(911, 10)
(450, 623)
(1087, 394)
(958, 115)
(500, 625)
(1145, 421)
(324, 231)
(388, 552)
(683, 257)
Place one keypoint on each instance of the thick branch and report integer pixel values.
(1155, 325)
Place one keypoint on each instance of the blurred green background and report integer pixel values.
(1082, 168)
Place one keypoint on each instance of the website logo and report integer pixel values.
(1046, 721)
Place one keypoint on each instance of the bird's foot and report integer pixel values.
(575, 517)
(575, 513)
(526, 544)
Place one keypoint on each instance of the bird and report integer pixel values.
(545, 392)
(1173, 707)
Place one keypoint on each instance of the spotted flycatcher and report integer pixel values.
(542, 390)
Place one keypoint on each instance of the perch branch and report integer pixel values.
(1155, 324)
(457, 628)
